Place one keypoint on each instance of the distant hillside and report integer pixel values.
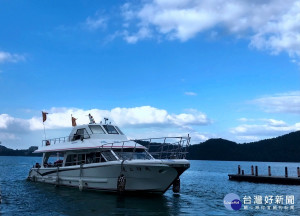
(24, 152)
(285, 148)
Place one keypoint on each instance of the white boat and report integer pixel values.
(100, 157)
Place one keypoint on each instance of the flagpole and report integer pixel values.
(44, 115)
(44, 131)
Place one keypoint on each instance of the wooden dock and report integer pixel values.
(254, 177)
(265, 179)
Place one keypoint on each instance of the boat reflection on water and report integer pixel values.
(68, 201)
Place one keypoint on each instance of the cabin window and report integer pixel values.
(96, 129)
(130, 153)
(81, 159)
(108, 155)
(71, 160)
(53, 159)
(81, 134)
(88, 158)
(119, 130)
(94, 157)
(110, 129)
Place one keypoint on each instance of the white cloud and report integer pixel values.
(269, 25)
(143, 116)
(245, 119)
(7, 136)
(196, 137)
(140, 122)
(272, 122)
(265, 127)
(142, 33)
(247, 138)
(190, 93)
(127, 12)
(10, 57)
(275, 123)
(96, 22)
(8, 123)
(280, 103)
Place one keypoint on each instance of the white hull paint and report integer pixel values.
(141, 175)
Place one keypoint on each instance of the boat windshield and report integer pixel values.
(96, 129)
(132, 154)
(110, 129)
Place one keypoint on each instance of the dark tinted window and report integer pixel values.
(96, 129)
(81, 133)
(110, 129)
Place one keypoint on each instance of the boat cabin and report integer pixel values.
(81, 157)
(104, 131)
(91, 143)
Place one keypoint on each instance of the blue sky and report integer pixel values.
(210, 68)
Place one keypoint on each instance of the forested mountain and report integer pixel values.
(23, 152)
(284, 148)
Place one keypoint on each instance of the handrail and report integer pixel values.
(168, 148)
(176, 149)
(51, 141)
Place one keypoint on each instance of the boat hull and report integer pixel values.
(154, 176)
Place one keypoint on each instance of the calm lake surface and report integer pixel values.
(203, 188)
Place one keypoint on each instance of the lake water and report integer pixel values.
(203, 188)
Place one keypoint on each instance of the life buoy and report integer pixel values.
(47, 143)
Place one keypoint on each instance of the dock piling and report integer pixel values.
(239, 170)
(252, 170)
(286, 172)
(256, 171)
(269, 170)
(243, 172)
(298, 171)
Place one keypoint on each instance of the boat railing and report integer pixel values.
(53, 141)
(167, 147)
(159, 148)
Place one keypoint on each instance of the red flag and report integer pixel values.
(74, 122)
(44, 114)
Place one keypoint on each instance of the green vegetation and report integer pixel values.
(23, 152)
(285, 148)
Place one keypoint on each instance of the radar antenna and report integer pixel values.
(105, 119)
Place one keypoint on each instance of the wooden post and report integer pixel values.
(243, 172)
(256, 171)
(286, 172)
(298, 171)
(239, 170)
(269, 170)
(252, 170)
